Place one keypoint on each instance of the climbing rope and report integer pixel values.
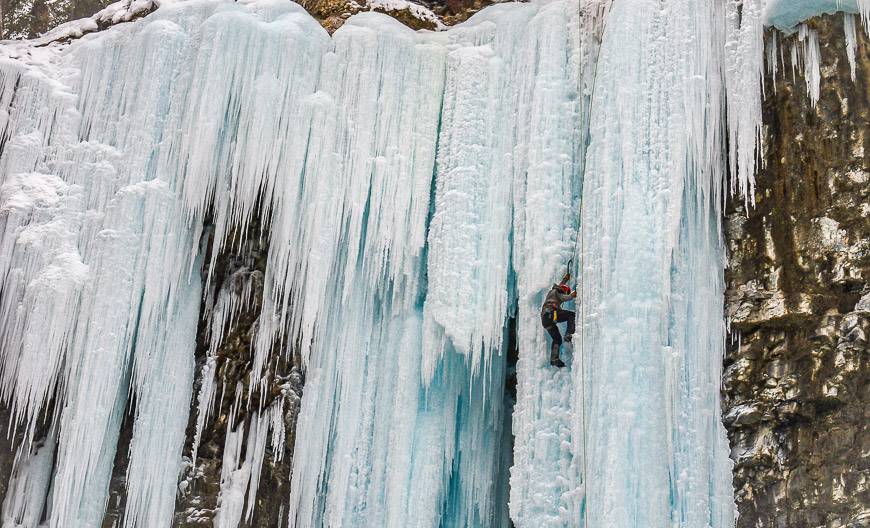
(581, 287)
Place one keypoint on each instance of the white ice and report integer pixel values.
(652, 323)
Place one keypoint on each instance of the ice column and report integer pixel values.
(652, 330)
(354, 255)
(553, 73)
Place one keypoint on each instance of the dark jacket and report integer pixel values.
(555, 298)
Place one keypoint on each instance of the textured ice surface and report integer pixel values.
(651, 320)
(100, 237)
(422, 191)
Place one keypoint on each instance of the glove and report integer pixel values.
(574, 294)
(567, 277)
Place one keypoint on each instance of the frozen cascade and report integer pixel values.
(652, 323)
(419, 191)
(545, 477)
(100, 240)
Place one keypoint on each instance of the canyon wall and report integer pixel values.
(796, 387)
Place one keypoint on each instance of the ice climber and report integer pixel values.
(552, 313)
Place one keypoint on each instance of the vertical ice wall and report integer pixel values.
(652, 324)
(375, 146)
(108, 232)
(225, 120)
(554, 101)
(442, 334)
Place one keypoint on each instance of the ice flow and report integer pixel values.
(421, 192)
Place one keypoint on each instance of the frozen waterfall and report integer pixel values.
(420, 192)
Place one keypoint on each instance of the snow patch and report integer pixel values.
(417, 11)
(122, 11)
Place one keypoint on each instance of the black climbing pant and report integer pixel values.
(562, 316)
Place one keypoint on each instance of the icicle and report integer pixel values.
(235, 295)
(165, 373)
(851, 41)
(809, 38)
(234, 480)
(205, 402)
(276, 417)
(28, 489)
(864, 10)
(796, 59)
(773, 53)
(743, 74)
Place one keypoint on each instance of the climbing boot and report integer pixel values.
(569, 337)
(554, 357)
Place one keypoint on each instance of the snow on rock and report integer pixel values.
(417, 11)
(123, 11)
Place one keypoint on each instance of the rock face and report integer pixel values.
(426, 14)
(797, 371)
(236, 268)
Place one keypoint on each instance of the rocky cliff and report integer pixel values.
(797, 381)
(237, 268)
